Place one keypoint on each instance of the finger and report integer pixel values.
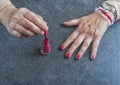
(73, 22)
(15, 33)
(32, 27)
(95, 46)
(34, 18)
(75, 45)
(23, 30)
(42, 19)
(69, 40)
(84, 47)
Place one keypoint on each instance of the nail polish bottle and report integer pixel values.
(46, 48)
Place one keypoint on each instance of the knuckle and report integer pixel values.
(10, 25)
(78, 30)
(23, 10)
(72, 38)
(37, 30)
(15, 18)
(82, 50)
(21, 30)
(32, 27)
(26, 23)
(76, 42)
(91, 33)
(31, 34)
(86, 44)
(95, 45)
(17, 35)
(83, 18)
(84, 24)
(97, 34)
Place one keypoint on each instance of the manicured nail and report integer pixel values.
(67, 55)
(62, 47)
(45, 32)
(78, 57)
(92, 57)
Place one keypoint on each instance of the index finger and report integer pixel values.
(37, 21)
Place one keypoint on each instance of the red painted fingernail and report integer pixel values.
(78, 57)
(45, 32)
(62, 47)
(67, 55)
(92, 57)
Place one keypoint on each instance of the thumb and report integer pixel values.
(73, 22)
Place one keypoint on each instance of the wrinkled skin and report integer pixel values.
(90, 29)
(23, 22)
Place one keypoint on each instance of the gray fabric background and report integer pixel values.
(22, 64)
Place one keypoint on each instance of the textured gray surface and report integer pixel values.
(22, 64)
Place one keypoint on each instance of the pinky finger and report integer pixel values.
(17, 34)
(95, 46)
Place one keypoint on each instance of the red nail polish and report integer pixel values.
(78, 57)
(62, 47)
(92, 57)
(67, 55)
(46, 48)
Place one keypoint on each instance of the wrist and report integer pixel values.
(5, 14)
(110, 8)
(106, 15)
(103, 19)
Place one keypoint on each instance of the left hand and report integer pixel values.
(90, 28)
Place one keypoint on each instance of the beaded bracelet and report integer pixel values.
(106, 14)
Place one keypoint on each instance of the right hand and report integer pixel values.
(22, 22)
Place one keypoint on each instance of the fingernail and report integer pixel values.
(47, 28)
(45, 22)
(62, 47)
(64, 22)
(40, 17)
(45, 32)
(92, 57)
(42, 32)
(78, 57)
(67, 55)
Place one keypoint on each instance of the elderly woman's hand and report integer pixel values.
(22, 22)
(90, 29)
